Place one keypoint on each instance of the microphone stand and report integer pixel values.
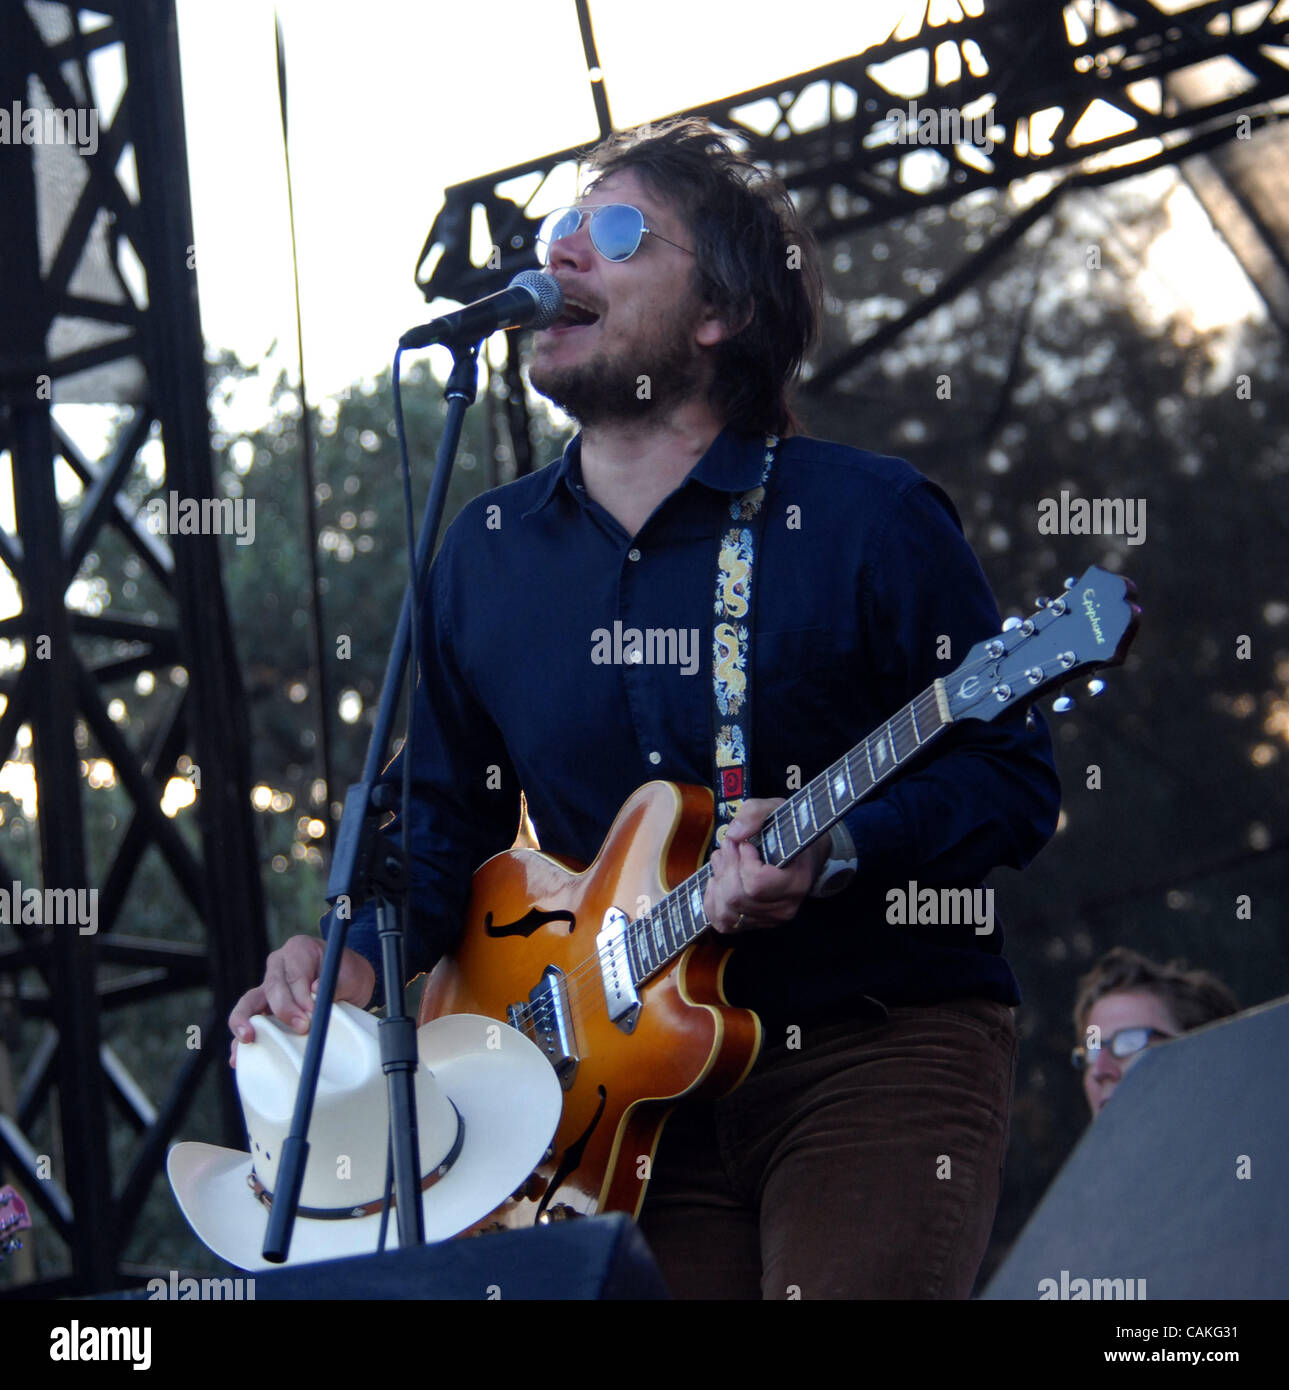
(366, 865)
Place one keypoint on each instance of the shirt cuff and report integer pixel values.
(840, 866)
(362, 937)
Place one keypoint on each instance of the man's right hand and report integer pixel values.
(291, 981)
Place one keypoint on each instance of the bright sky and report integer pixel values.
(391, 101)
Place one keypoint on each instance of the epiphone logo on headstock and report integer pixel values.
(1090, 608)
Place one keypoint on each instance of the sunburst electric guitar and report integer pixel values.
(612, 971)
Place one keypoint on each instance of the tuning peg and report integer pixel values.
(1062, 705)
(1041, 602)
(1071, 582)
(1096, 686)
(1011, 624)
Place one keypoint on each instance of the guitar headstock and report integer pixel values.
(1091, 625)
(13, 1218)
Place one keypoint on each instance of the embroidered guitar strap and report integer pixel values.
(731, 647)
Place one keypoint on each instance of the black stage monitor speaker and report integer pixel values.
(592, 1258)
(597, 1257)
(1179, 1189)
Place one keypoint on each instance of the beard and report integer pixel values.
(630, 386)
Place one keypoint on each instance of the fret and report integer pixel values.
(892, 729)
(805, 826)
(789, 851)
(659, 936)
(693, 907)
(913, 715)
(789, 840)
(631, 945)
(647, 964)
(931, 707)
(705, 875)
(825, 785)
(820, 805)
(868, 752)
(771, 838)
(881, 749)
(680, 919)
(670, 936)
(910, 731)
(850, 774)
(800, 820)
(902, 744)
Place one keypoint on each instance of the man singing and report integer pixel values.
(862, 1156)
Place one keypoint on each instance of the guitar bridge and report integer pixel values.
(620, 995)
(545, 1019)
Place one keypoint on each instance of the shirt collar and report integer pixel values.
(733, 463)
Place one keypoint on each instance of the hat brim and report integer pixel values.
(509, 1099)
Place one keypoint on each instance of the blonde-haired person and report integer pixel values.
(1127, 1003)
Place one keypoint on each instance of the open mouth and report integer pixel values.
(574, 315)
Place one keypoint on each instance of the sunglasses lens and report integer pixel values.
(616, 229)
(1129, 1042)
(560, 223)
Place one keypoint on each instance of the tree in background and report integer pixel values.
(1059, 371)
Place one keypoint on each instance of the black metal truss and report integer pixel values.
(62, 286)
(832, 136)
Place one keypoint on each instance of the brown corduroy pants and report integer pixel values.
(863, 1162)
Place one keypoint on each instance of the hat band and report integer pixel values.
(262, 1194)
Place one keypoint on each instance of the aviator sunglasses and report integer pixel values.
(616, 230)
(1127, 1042)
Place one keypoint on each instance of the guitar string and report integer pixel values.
(590, 971)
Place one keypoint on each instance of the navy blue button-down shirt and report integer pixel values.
(865, 591)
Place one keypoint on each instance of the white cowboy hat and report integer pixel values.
(487, 1103)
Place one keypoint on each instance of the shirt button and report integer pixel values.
(655, 758)
(633, 554)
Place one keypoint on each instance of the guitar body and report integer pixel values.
(529, 911)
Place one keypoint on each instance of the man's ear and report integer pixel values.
(714, 327)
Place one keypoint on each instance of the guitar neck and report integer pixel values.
(658, 936)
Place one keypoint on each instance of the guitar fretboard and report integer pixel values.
(658, 936)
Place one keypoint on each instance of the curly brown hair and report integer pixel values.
(1194, 997)
(756, 262)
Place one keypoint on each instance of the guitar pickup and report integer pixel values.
(620, 995)
(545, 1019)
